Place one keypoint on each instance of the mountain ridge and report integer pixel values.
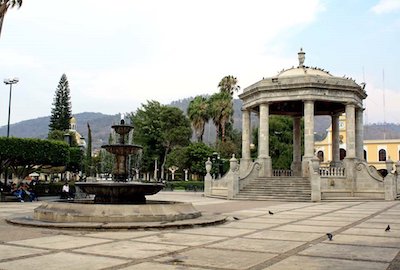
(101, 125)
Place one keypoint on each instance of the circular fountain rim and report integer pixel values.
(185, 216)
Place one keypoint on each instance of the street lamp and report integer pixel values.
(9, 82)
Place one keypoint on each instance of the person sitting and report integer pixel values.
(17, 192)
(65, 192)
(29, 193)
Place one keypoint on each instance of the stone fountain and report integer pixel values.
(121, 191)
(120, 204)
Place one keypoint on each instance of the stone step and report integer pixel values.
(274, 198)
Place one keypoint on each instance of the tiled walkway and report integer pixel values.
(294, 237)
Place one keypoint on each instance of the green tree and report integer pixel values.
(25, 156)
(159, 129)
(221, 111)
(61, 112)
(199, 114)
(88, 163)
(228, 84)
(280, 141)
(75, 159)
(4, 6)
(192, 157)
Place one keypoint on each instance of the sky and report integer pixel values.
(119, 56)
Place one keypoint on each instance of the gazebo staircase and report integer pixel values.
(287, 188)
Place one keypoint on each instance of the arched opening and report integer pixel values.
(320, 156)
(365, 155)
(342, 153)
(382, 155)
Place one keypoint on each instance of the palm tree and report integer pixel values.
(4, 5)
(198, 112)
(228, 84)
(221, 110)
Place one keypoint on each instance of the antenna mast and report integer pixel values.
(384, 104)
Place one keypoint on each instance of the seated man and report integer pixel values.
(30, 193)
(17, 192)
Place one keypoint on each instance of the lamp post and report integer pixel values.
(9, 82)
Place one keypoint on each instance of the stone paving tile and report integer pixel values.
(180, 239)
(59, 242)
(247, 225)
(323, 223)
(363, 240)
(282, 235)
(327, 218)
(260, 245)
(272, 220)
(306, 228)
(225, 259)
(122, 234)
(351, 215)
(378, 225)
(373, 232)
(62, 261)
(317, 263)
(247, 213)
(130, 249)
(218, 231)
(8, 252)
(158, 266)
(350, 252)
(386, 220)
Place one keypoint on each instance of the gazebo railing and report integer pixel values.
(332, 171)
(282, 173)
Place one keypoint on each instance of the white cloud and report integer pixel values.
(386, 6)
(117, 56)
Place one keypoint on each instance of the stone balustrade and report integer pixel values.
(332, 171)
(282, 172)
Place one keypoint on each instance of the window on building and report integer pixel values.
(365, 155)
(342, 153)
(382, 155)
(320, 155)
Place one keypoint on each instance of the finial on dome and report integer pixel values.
(301, 57)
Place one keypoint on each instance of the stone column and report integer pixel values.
(350, 131)
(263, 142)
(246, 133)
(349, 161)
(335, 141)
(296, 164)
(308, 136)
(360, 133)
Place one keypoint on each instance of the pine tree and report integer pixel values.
(61, 112)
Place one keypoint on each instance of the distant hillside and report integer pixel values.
(39, 127)
(101, 125)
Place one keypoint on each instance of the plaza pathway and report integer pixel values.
(294, 237)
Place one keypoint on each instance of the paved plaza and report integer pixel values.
(294, 237)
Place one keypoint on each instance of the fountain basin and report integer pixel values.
(120, 192)
(122, 149)
(67, 212)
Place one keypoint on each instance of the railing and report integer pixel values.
(332, 171)
(282, 173)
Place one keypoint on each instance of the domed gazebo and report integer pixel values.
(303, 92)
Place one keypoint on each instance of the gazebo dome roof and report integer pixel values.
(303, 71)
